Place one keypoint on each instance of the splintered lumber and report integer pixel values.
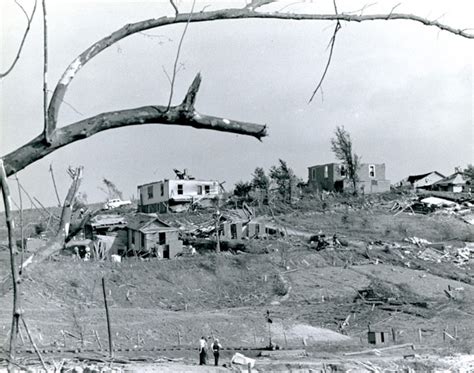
(375, 350)
(283, 353)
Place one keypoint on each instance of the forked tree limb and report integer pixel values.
(217, 15)
(181, 115)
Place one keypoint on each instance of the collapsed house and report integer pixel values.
(421, 181)
(334, 177)
(108, 232)
(148, 236)
(176, 195)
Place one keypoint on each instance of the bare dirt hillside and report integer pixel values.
(319, 300)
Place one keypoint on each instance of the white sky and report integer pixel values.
(404, 91)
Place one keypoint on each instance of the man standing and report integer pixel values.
(202, 351)
(216, 347)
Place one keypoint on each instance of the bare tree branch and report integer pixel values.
(332, 42)
(173, 77)
(22, 43)
(176, 115)
(361, 10)
(176, 11)
(54, 184)
(48, 130)
(190, 98)
(225, 14)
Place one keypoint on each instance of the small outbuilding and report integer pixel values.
(378, 337)
(148, 236)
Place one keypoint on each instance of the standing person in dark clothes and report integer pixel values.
(216, 347)
(202, 351)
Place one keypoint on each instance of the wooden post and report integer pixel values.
(249, 366)
(419, 335)
(218, 218)
(455, 331)
(109, 331)
(179, 338)
(444, 335)
(394, 335)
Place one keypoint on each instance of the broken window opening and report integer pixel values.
(199, 189)
(180, 189)
(371, 170)
(143, 240)
(150, 192)
(207, 189)
(343, 170)
(162, 190)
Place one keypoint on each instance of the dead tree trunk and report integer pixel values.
(56, 243)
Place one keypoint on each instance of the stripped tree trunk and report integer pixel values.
(54, 244)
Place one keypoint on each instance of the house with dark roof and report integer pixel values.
(457, 183)
(148, 236)
(421, 181)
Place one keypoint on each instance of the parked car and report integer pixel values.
(114, 203)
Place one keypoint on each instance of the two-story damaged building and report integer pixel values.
(334, 177)
(177, 194)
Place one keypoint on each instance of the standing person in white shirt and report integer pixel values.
(202, 351)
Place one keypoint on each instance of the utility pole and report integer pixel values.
(217, 223)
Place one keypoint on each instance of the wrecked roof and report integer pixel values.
(139, 222)
(104, 220)
(413, 178)
(456, 178)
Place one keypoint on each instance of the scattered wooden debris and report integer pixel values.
(379, 350)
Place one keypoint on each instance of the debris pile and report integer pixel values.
(461, 209)
(439, 252)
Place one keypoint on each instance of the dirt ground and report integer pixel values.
(160, 308)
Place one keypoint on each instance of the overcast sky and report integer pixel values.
(403, 90)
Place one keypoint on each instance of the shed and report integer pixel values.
(377, 338)
(148, 236)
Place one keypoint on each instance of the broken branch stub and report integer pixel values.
(190, 98)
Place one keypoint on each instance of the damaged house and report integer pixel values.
(422, 181)
(107, 232)
(333, 177)
(150, 237)
(458, 182)
(177, 194)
